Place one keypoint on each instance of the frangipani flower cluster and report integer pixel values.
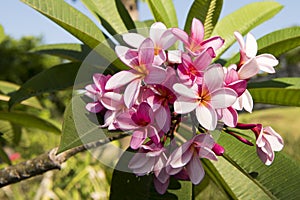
(164, 87)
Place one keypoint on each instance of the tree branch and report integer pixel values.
(45, 162)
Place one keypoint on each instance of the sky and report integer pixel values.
(20, 20)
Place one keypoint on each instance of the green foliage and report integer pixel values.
(70, 19)
(163, 11)
(56, 78)
(207, 12)
(279, 91)
(244, 20)
(80, 126)
(2, 34)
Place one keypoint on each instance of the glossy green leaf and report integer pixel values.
(53, 79)
(244, 20)
(80, 126)
(28, 121)
(163, 11)
(249, 178)
(125, 16)
(275, 43)
(126, 185)
(70, 19)
(207, 11)
(73, 52)
(279, 91)
(107, 13)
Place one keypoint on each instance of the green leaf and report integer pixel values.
(7, 87)
(275, 43)
(28, 121)
(2, 34)
(70, 19)
(73, 52)
(125, 16)
(164, 11)
(249, 178)
(207, 11)
(80, 126)
(126, 185)
(244, 20)
(4, 157)
(108, 14)
(53, 79)
(279, 91)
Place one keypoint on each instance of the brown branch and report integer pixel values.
(45, 162)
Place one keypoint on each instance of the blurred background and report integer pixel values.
(84, 177)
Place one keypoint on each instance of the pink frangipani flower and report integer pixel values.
(188, 156)
(161, 37)
(250, 64)
(205, 98)
(142, 70)
(195, 43)
(267, 141)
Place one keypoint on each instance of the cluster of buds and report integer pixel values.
(163, 87)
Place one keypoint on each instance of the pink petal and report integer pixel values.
(230, 116)
(160, 58)
(126, 55)
(131, 92)
(153, 134)
(247, 101)
(100, 81)
(214, 42)
(238, 86)
(146, 52)
(167, 39)
(204, 140)
(184, 91)
(163, 118)
(181, 35)
(156, 31)
(120, 79)
(124, 122)
(223, 98)
(197, 31)
(145, 169)
(156, 75)
(144, 112)
(207, 153)
(273, 138)
(206, 116)
(240, 40)
(112, 101)
(138, 160)
(92, 90)
(133, 39)
(176, 159)
(251, 46)
(185, 105)
(204, 59)
(214, 77)
(195, 170)
(160, 187)
(138, 137)
(94, 107)
(266, 63)
(249, 69)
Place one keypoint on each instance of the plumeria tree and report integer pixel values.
(172, 92)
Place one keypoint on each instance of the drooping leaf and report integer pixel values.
(207, 11)
(249, 178)
(163, 11)
(126, 185)
(70, 19)
(244, 20)
(73, 52)
(275, 43)
(107, 13)
(53, 79)
(278, 91)
(80, 126)
(125, 16)
(29, 121)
